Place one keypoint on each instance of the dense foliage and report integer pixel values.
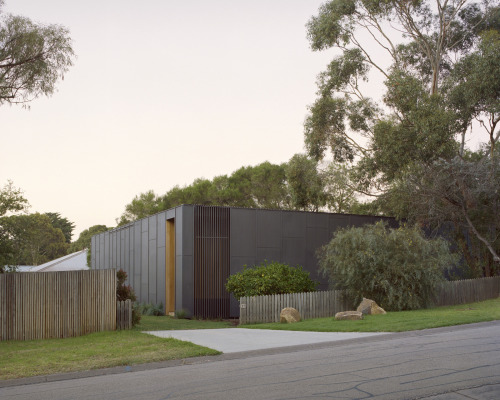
(437, 67)
(398, 268)
(270, 278)
(300, 184)
(33, 57)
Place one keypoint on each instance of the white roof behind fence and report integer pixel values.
(72, 262)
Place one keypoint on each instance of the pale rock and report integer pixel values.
(349, 315)
(368, 306)
(289, 315)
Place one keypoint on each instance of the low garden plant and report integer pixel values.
(150, 309)
(270, 278)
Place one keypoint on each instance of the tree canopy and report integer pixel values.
(64, 224)
(424, 52)
(299, 184)
(83, 241)
(33, 57)
(439, 62)
(29, 239)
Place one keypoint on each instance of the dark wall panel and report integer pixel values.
(316, 237)
(268, 229)
(186, 301)
(136, 227)
(242, 228)
(294, 224)
(317, 220)
(267, 254)
(294, 251)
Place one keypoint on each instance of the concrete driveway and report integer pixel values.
(234, 340)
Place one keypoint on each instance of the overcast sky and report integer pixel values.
(161, 93)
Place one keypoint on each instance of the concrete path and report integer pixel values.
(235, 340)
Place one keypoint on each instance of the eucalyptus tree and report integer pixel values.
(439, 61)
(33, 57)
(413, 47)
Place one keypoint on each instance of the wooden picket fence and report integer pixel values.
(258, 309)
(40, 305)
(310, 305)
(124, 314)
(467, 291)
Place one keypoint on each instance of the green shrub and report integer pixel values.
(150, 309)
(270, 278)
(398, 268)
(181, 314)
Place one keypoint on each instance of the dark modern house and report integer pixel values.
(182, 257)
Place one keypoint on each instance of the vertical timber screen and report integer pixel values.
(42, 305)
(211, 261)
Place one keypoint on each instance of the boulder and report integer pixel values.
(368, 306)
(289, 315)
(352, 315)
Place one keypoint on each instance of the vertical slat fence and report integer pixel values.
(41, 305)
(310, 305)
(467, 291)
(124, 314)
(259, 309)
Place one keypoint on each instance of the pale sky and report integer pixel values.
(161, 93)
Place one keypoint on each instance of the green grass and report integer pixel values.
(166, 323)
(97, 350)
(398, 321)
(103, 349)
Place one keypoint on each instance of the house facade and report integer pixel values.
(182, 257)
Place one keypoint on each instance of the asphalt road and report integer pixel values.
(439, 364)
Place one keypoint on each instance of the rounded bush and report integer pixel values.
(398, 268)
(270, 278)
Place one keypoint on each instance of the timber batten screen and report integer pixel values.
(211, 261)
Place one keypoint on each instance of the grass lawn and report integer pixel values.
(97, 350)
(398, 321)
(102, 349)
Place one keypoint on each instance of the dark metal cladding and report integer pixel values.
(211, 261)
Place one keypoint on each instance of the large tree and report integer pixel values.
(439, 62)
(35, 240)
(33, 57)
(305, 183)
(83, 241)
(63, 223)
(414, 48)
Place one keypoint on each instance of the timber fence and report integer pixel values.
(124, 314)
(310, 305)
(41, 305)
(467, 291)
(258, 309)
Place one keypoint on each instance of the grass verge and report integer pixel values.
(97, 350)
(398, 321)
